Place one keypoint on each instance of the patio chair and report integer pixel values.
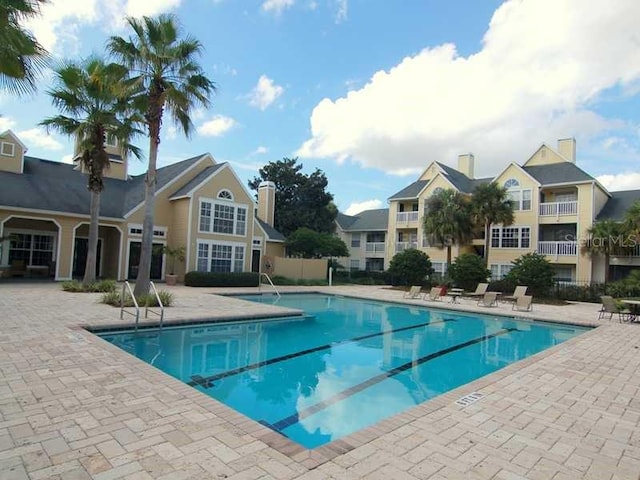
(489, 299)
(609, 306)
(481, 289)
(434, 294)
(518, 292)
(523, 303)
(413, 292)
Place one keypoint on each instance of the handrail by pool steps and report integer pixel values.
(125, 287)
(270, 282)
(147, 310)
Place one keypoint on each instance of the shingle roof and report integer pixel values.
(202, 176)
(458, 179)
(369, 220)
(55, 186)
(618, 204)
(411, 191)
(272, 233)
(558, 173)
(344, 221)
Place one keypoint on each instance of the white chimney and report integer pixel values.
(465, 164)
(567, 148)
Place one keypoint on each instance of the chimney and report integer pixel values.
(465, 164)
(266, 202)
(567, 148)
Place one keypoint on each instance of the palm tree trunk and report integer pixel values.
(448, 257)
(92, 248)
(606, 268)
(146, 249)
(487, 243)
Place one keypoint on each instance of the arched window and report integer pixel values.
(511, 183)
(225, 195)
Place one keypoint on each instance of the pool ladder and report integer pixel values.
(126, 288)
(270, 283)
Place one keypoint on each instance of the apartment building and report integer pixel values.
(555, 203)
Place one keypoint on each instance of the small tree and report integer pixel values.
(174, 253)
(467, 270)
(410, 266)
(534, 271)
(307, 243)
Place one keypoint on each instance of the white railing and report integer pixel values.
(126, 288)
(558, 248)
(270, 283)
(405, 217)
(160, 305)
(401, 246)
(374, 246)
(558, 209)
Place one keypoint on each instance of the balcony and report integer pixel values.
(558, 209)
(554, 249)
(374, 247)
(401, 246)
(407, 217)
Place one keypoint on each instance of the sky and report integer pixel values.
(372, 91)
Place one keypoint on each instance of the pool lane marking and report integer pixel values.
(296, 417)
(207, 382)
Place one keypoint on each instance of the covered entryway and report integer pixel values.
(108, 255)
(156, 260)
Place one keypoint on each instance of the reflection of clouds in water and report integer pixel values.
(372, 404)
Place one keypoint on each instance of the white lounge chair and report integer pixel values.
(517, 293)
(481, 289)
(434, 294)
(413, 292)
(489, 299)
(609, 307)
(523, 302)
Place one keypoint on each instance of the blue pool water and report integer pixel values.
(346, 365)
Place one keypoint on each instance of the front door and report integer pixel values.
(255, 261)
(134, 261)
(81, 248)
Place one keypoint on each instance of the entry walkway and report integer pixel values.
(73, 406)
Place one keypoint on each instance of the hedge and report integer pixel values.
(216, 279)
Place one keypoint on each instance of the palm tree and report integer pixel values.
(447, 221)
(21, 56)
(164, 66)
(490, 204)
(606, 237)
(93, 98)
(632, 219)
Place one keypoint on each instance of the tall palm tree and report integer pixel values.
(166, 68)
(632, 219)
(606, 238)
(21, 56)
(447, 221)
(490, 205)
(93, 98)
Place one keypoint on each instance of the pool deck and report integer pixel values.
(74, 407)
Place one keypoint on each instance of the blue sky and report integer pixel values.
(372, 91)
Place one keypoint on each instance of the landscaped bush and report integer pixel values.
(113, 299)
(628, 287)
(534, 271)
(101, 286)
(216, 279)
(589, 292)
(410, 267)
(467, 270)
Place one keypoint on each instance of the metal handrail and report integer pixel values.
(147, 310)
(125, 287)
(269, 280)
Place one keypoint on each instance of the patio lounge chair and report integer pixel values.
(523, 302)
(481, 289)
(518, 292)
(609, 307)
(434, 294)
(489, 299)
(413, 292)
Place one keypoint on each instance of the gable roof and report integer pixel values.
(14, 137)
(565, 172)
(458, 179)
(369, 220)
(192, 184)
(55, 186)
(272, 234)
(618, 204)
(410, 191)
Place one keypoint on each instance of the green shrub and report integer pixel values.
(410, 267)
(534, 271)
(100, 287)
(113, 298)
(467, 270)
(216, 279)
(72, 286)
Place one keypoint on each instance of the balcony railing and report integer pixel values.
(374, 246)
(558, 248)
(401, 246)
(406, 217)
(558, 209)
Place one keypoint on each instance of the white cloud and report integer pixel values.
(217, 126)
(265, 93)
(261, 150)
(67, 159)
(277, 6)
(36, 137)
(357, 207)
(620, 181)
(519, 90)
(136, 8)
(343, 7)
(6, 123)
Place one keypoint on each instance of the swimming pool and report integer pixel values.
(347, 364)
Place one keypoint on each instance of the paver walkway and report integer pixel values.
(73, 406)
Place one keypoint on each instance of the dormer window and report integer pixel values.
(511, 183)
(520, 197)
(7, 149)
(225, 195)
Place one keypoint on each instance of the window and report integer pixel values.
(520, 197)
(355, 240)
(7, 149)
(157, 231)
(500, 270)
(225, 195)
(220, 257)
(354, 264)
(439, 269)
(33, 249)
(110, 140)
(510, 237)
(223, 218)
(511, 183)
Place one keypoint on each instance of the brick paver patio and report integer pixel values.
(74, 407)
